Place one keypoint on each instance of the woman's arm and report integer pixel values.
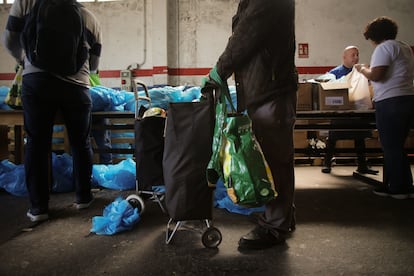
(373, 74)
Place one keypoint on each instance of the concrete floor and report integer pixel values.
(342, 229)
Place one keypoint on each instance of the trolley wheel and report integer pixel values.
(136, 202)
(211, 238)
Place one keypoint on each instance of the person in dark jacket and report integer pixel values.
(260, 52)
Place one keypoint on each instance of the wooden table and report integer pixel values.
(345, 120)
(14, 118)
(306, 120)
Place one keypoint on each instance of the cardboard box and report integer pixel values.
(300, 139)
(304, 96)
(332, 96)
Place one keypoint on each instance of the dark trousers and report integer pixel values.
(273, 124)
(395, 117)
(43, 95)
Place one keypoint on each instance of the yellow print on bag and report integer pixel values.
(268, 171)
(226, 160)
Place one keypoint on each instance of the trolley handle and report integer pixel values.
(135, 88)
(138, 98)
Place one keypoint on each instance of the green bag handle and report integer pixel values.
(215, 168)
(224, 88)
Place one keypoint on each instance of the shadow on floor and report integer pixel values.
(342, 229)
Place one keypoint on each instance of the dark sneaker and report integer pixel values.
(326, 170)
(260, 238)
(36, 215)
(381, 191)
(83, 205)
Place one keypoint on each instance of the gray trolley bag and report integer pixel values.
(187, 152)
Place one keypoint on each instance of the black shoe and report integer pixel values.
(326, 170)
(367, 171)
(260, 238)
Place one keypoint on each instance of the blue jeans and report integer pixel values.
(395, 117)
(43, 95)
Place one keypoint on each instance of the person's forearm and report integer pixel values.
(366, 71)
(373, 74)
(93, 63)
(11, 42)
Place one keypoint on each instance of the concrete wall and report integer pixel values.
(329, 26)
(177, 41)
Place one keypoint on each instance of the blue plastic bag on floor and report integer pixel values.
(117, 216)
(62, 173)
(12, 178)
(120, 176)
(223, 201)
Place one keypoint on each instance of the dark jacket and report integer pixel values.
(261, 51)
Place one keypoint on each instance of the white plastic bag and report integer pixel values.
(359, 94)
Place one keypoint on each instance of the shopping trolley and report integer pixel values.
(149, 147)
(187, 151)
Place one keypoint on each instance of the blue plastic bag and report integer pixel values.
(222, 200)
(120, 176)
(62, 173)
(118, 99)
(117, 216)
(12, 178)
(4, 90)
(129, 101)
(101, 99)
(191, 94)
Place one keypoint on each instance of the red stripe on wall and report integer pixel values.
(188, 71)
(160, 70)
(314, 70)
(7, 76)
(117, 73)
(109, 74)
(164, 70)
(143, 72)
